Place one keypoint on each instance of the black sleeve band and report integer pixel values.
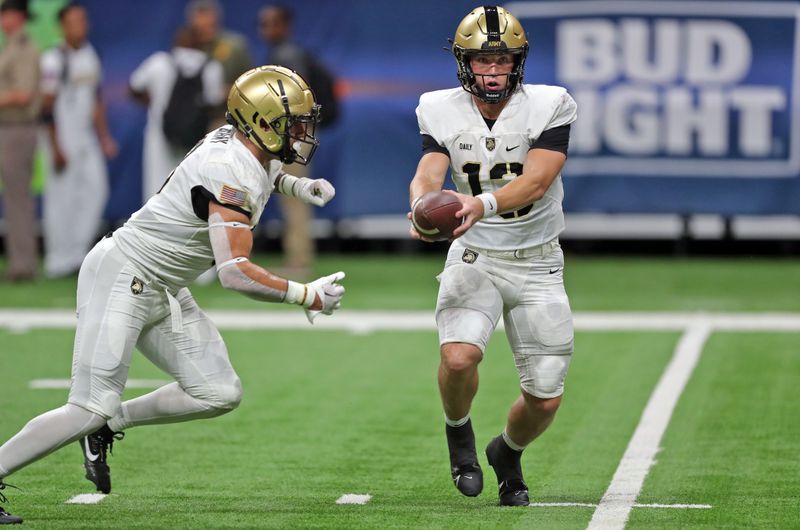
(555, 139)
(200, 199)
(429, 145)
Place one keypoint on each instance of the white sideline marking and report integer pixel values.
(562, 505)
(615, 506)
(353, 498)
(46, 384)
(682, 506)
(369, 321)
(636, 505)
(86, 498)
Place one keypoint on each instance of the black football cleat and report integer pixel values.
(506, 464)
(5, 517)
(464, 468)
(96, 447)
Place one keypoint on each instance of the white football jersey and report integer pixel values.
(484, 160)
(168, 237)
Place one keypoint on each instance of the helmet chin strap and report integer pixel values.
(500, 96)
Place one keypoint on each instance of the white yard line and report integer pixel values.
(620, 497)
(369, 321)
(353, 498)
(86, 498)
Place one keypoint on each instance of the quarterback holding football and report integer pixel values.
(505, 143)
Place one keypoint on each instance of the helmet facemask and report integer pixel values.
(470, 80)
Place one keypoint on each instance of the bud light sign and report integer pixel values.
(674, 89)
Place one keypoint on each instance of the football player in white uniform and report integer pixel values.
(505, 144)
(132, 287)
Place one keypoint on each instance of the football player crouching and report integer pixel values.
(132, 287)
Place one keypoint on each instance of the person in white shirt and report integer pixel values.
(505, 143)
(78, 143)
(132, 286)
(152, 83)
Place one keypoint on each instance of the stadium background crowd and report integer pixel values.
(698, 200)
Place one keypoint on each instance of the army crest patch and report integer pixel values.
(490, 143)
(137, 286)
(469, 256)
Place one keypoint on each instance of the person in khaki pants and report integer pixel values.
(19, 82)
(299, 247)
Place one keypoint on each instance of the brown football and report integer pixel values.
(434, 215)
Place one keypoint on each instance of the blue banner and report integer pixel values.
(686, 107)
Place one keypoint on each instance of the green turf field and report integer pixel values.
(332, 412)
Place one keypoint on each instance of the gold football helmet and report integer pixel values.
(275, 108)
(490, 30)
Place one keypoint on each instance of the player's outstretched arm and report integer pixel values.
(430, 175)
(311, 191)
(232, 243)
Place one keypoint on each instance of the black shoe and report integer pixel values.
(506, 464)
(95, 447)
(5, 517)
(464, 468)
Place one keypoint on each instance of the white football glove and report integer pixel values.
(329, 291)
(315, 191)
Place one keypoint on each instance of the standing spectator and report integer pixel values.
(152, 83)
(275, 24)
(204, 17)
(19, 94)
(77, 185)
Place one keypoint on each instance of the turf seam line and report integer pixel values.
(620, 497)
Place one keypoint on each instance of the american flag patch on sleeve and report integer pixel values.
(233, 196)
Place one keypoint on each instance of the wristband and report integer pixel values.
(287, 185)
(299, 293)
(489, 204)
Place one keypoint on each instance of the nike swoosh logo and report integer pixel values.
(511, 148)
(553, 271)
(89, 455)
